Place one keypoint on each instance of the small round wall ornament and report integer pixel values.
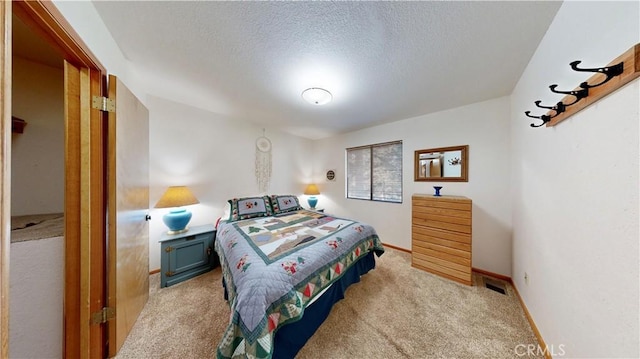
(331, 175)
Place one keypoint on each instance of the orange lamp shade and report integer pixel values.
(311, 190)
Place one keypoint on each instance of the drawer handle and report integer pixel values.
(208, 251)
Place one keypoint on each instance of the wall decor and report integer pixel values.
(263, 162)
(443, 164)
(331, 175)
(605, 80)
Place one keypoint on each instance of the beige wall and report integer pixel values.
(484, 127)
(37, 158)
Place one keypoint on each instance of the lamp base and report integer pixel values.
(312, 202)
(177, 220)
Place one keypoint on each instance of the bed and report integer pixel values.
(36, 226)
(283, 268)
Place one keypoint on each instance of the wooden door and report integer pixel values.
(128, 176)
(5, 172)
(85, 224)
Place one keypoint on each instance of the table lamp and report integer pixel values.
(312, 190)
(175, 197)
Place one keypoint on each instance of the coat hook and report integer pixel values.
(558, 108)
(579, 94)
(608, 71)
(544, 118)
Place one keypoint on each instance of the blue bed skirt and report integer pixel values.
(290, 338)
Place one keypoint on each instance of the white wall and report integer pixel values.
(37, 165)
(36, 289)
(84, 19)
(212, 154)
(484, 127)
(215, 157)
(575, 190)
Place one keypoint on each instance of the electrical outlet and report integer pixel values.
(526, 278)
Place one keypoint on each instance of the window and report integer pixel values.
(374, 172)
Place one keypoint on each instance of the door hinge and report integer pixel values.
(102, 316)
(168, 249)
(103, 104)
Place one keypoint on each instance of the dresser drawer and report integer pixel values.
(443, 237)
(444, 202)
(463, 250)
(443, 268)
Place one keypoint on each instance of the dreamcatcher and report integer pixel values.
(263, 162)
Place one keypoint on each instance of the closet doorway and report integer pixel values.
(37, 197)
(84, 183)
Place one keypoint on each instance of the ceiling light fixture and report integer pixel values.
(317, 96)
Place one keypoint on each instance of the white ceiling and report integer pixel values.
(382, 61)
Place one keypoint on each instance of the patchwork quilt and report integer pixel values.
(274, 266)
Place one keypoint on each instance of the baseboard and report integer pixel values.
(493, 275)
(397, 248)
(536, 332)
(154, 271)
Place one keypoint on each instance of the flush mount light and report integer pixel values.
(316, 96)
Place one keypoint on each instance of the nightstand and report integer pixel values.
(186, 255)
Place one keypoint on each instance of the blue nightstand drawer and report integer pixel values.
(187, 255)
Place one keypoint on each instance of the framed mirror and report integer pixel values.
(444, 164)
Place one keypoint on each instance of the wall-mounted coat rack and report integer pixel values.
(605, 80)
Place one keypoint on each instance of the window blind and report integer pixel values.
(374, 172)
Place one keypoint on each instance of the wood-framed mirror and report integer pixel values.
(444, 164)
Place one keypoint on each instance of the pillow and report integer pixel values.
(284, 203)
(249, 207)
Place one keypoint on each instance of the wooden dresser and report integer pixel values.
(441, 236)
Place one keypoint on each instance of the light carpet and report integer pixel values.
(396, 311)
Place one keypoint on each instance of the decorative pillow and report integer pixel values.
(249, 207)
(284, 203)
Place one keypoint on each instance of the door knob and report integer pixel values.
(147, 217)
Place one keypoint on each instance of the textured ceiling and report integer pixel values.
(382, 61)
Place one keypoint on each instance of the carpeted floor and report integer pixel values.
(396, 311)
